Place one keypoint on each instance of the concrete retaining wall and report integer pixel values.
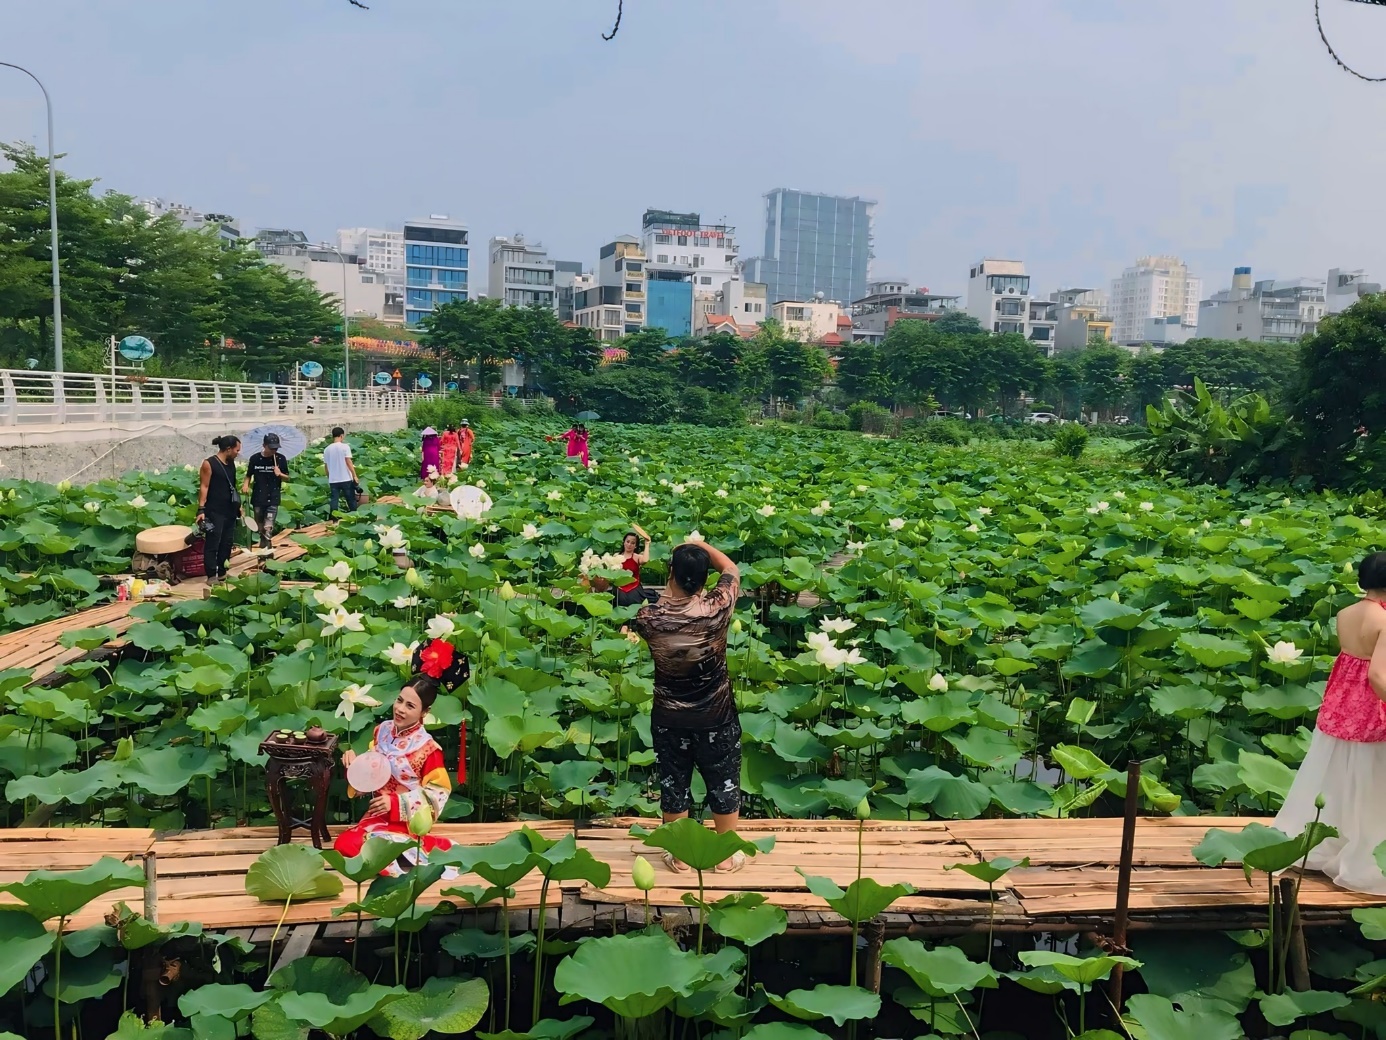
(85, 453)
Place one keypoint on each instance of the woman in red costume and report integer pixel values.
(418, 777)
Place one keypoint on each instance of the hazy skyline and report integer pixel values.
(1075, 135)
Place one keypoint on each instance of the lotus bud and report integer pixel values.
(507, 592)
(201, 631)
(64, 486)
(1116, 597)
(863, 810)
(412, 577)
(642, 874)
(1318, 801)
(369, 547)
(421, 821)
(736, 625)
(173, 500)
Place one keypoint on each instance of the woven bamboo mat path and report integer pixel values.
(1070, 885)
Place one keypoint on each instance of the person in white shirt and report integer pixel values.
(341, 473)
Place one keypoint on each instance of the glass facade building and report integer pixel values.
(669, 305)
(814, 243)
(436, 261)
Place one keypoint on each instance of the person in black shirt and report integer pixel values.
(219, 505)
(266, 470)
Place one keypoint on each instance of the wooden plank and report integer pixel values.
(300, 939)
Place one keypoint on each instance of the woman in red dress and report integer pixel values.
(465, 439)
(633, 554)
(448, 445)
(418, 777)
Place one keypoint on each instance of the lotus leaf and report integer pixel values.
(702, 848)
(447, 1006)
(631, 975)
(940, 972)
(544, 1029)
(1161, 1020)
(290, 873)
(840, 1003)
(46, 894)
(1082, 970)
(24, 941)
(1284, 1008)
(747, 918)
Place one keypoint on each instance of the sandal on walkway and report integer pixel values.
(732, 865)
(673, 864)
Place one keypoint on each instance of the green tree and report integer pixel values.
(1146, 381)
(796, 369)
(959, 323)
(481, 333)
(860, 373)
(1342, 388)
(1103, 369)
(921, 362)
(713, 363)
(1018, 366)
(648, 348)
(549, 347)
(1063, 381)
(1230, 368)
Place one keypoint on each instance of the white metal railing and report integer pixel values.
(32, 398)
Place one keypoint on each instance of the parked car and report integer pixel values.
(1042, 417)
(1122, 420)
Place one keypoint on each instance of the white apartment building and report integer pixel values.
(379, 250)
(228, 227)
(1154, 287)
(1347, 287)
(998, 295)
(365, 290)
(738, 307)
(613, 304)
(811, 321)
(1268, 311)
(522, 275)
(682, 242)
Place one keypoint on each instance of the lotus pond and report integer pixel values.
(986, 632)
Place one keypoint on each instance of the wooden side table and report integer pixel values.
(300, 761)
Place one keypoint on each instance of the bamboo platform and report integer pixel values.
(1070, 885)
(37, 647)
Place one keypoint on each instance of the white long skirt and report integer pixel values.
(1351, 776)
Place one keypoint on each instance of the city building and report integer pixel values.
(998, 295)
(1165, 332)
(340, 274)
(737, 307)
(1347, 287)
(522, 275)
(1154, 287)
(565, 276)
(1041, 325)
(812, 321)
(614, 304)
(685, 261)
(228, 228)
(380, 250)
(669, 303)
(436, 265)
(1268, 311)
(890, 301)
(814, 244)
(1081, 316)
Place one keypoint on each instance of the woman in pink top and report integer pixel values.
(1346, 763)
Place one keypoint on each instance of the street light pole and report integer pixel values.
(52, 222)
(346, 342)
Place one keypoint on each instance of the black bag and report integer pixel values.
(226, 472)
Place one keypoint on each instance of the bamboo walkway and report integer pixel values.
(1069, 886)
(38, 648)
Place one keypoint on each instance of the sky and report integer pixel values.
(1076, 135)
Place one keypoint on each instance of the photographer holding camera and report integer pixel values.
(219, 505)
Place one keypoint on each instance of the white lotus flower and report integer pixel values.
(695, 483)
(339, 619)
(461, 466)
(1146, 507)
(663, 482)
(822, 507)
(1092, 510)
(1286, 503)
(645, 498)
(695, 536)
(138, 502)
(984, 511)
(1207, 525)
(554, 496)
(678, 489)
(330, 597)
(854, 547)
(302, 644)
(837, 625)
(477, 551)
(818, 640)
(1102, 507)
(480, 484)
(721, 492)
(529, 533)
(433, 472)
(452, 479)
(972, 528)
(399, 655)
(572, 469)
(831, 656)
(405, 602)
(92, 507)
(492, 528)
(938, 683)
(896, 523)
(1284, 652)
(634, 460)
(862, 487)
(766, 510)
(354, 697)
(1119, 495)
(1245, 521)
(189, 468)
(439, 626)
(339, 571)
(393, 538)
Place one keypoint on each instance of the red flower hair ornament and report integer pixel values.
(436, 658)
